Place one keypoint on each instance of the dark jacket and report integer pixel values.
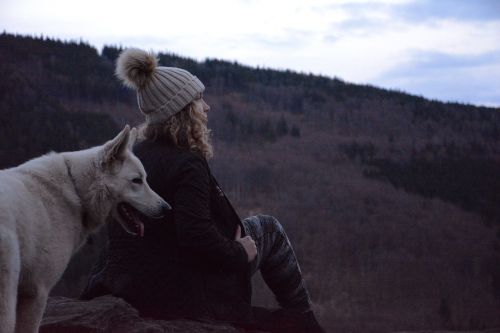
(187, 264)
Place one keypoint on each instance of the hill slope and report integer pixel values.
(390, 199)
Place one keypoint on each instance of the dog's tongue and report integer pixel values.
(141, 229)
(139, 225)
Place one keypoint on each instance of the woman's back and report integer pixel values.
(162, 273)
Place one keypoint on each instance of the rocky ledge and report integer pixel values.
(109, 314)
(493, 330)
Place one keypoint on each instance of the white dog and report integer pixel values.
(49, 206)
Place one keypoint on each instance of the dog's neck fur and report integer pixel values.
(87, 192)
(84, 210)
(89, 188)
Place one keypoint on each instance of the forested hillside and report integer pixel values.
(391, 200)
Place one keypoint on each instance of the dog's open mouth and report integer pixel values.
(130, 220)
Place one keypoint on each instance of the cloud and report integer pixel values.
(357, 19)
(436, 61)
(290, 39)
(477, 10)
(372, 17)
(462, 78)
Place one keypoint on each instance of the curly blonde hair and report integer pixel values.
(186, 129)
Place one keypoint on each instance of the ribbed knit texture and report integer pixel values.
(167, 92)
(161, 91)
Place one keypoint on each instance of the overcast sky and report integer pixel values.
(442, 49)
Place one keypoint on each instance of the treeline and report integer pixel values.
(464, 176)
(24, 135)
(473, 184)
(75, 70)
(34, 115)
(247, 128)
(51, 90)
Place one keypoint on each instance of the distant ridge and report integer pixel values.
(290, 76)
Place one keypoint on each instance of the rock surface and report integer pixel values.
(493, 330)
(109, 314)
(113, 315)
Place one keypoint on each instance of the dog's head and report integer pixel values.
(125, 181)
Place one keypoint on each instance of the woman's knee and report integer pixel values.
(271, 224)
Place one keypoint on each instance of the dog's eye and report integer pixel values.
(137, 181)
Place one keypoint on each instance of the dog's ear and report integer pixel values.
(132, 137)
(115, 149)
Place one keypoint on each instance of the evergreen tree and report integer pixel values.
(248, 127)
(281, 126)
(295, 131)
(111, 52)
(232, 118)
(267, 131)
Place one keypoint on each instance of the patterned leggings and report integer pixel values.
(277, 262)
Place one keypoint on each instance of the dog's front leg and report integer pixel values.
(30, 307)
(10, 266)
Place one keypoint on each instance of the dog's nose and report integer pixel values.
(165, 207)
(162, 210)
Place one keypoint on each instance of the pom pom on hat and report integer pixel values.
(161, 91)
(135, 67)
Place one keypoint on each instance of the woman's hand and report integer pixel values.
(248, 244)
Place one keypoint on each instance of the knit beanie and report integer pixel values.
(161, 91)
